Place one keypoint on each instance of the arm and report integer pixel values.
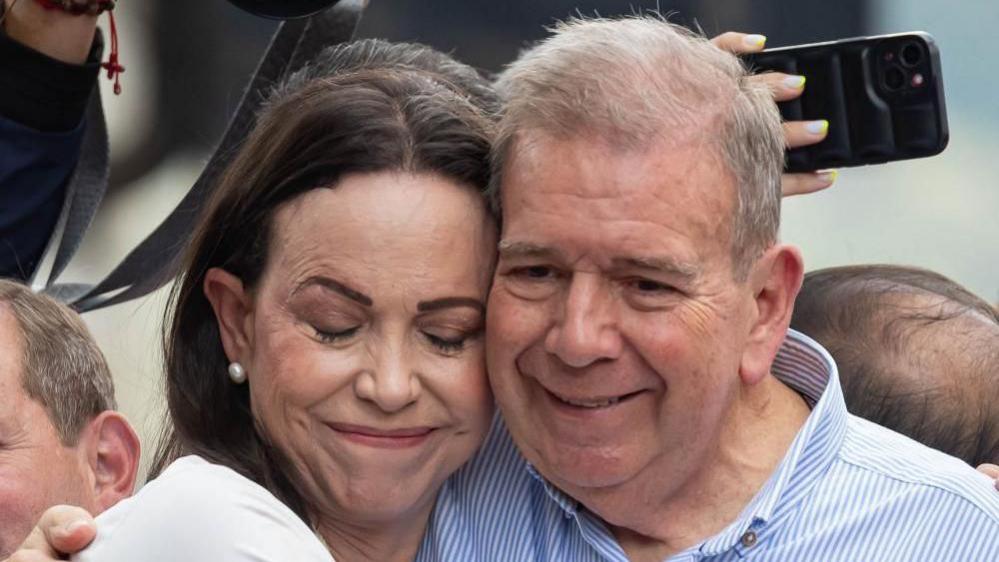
(48, 66)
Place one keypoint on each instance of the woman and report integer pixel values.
(324, 357)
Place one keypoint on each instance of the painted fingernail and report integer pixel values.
(819, 127)
(829, 176)
(755, 40)
(794, 82)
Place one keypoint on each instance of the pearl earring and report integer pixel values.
(237, 373)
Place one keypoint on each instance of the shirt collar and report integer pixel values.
(807, 368)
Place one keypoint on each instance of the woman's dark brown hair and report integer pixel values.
(366, 106)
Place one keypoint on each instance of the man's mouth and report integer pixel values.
(594, 403)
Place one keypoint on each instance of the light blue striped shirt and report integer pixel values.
(847, 490)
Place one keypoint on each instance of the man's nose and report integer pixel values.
(586, 330)
(391, 383)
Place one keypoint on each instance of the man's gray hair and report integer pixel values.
(639, 80)
(64, 370)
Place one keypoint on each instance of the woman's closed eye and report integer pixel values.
(449, 342)
(335, 336)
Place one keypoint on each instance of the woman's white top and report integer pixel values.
(198, 511)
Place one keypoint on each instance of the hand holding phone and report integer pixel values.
(882, 96)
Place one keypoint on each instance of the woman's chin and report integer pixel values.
(386, 498)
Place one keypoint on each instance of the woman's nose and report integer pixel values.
(392, 383)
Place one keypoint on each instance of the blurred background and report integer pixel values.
(188, 61)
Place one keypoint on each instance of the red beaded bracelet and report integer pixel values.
(94, 8)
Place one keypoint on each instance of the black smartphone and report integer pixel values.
(883, 97)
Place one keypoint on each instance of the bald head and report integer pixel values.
(916, 352)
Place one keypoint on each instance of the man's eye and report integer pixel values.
(532, 272)
(326, 336)
(650, 287)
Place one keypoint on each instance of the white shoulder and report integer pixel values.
(198, 511)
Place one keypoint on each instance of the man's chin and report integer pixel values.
(577, 470)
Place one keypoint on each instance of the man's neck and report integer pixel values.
(657, 514)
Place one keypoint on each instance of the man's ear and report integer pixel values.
(112, 455)
(775, 280)
(233, 312)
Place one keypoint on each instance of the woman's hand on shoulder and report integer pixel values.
(796, 133)
(992, 471)
(63, 530)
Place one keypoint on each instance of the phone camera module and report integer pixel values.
(911, 54)
(894, 79)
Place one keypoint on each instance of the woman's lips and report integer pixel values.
(384, 438)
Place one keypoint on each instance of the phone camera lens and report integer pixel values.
(894, 78)
(911, 55)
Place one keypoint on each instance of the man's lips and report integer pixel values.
(388, 438)
(591, 402)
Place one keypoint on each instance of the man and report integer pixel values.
(916, 353)
(61, 442)
(638, 344)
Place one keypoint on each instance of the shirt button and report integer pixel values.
(748, 539)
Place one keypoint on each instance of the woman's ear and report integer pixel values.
(775, 281)
(233, 308)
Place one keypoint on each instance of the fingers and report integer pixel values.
(61, 529)
(739, 43)
(68, 529)
(784, 86)
(31, 556)
(800, 184)
(992, 471)
(804, 133)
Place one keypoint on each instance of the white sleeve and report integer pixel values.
(200, 512)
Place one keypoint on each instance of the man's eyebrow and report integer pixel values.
(516, 248)
(334, 285)
(660, 264)
(450, 302)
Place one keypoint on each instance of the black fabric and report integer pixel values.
(41, 92)
(34, 170)
(155, 261)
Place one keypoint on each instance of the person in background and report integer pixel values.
(61, 440)
(49, 61)
(916, 352)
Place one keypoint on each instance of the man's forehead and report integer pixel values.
(593, 167)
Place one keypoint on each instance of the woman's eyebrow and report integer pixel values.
(334, 285)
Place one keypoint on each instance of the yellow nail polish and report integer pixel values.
(819, 127)
(794, 82)
(755, 40)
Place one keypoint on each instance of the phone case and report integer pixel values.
(883, 97)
